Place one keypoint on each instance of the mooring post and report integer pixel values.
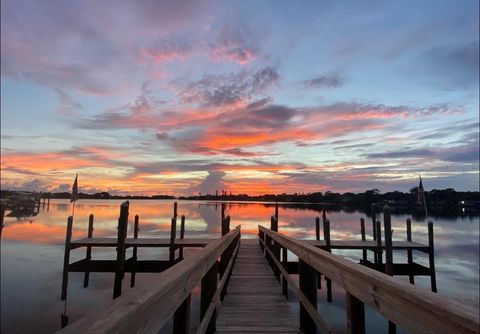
(2, 217)
(121, 236)
(285, 265)
(173, 233)
(182, 235)
(175, 210)
(431, 258)
(222, 218)
(308, 285)
(225, 225)
(275, 247)
(355, 315)
(208, 289)
(411, 277)
(362, 231)
(387, 227)
(66, 258)
(181, 317)
(326, 236)
(88, 256)
(134, 255)
(317, 237)
(276, 212)
(379, 244)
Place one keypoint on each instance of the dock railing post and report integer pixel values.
(285, 265)
(362, 231)
(88, 256)
(387, 227)
(326, 236)
(317, 237)
(66, 258)
(431, 257)
(121, 236)
(411, 277)
(355, 315)
(134, 255)
(182, 235)
(208, 289)
(308, 286)
(181, 317)
(173, 234)
(275, 247)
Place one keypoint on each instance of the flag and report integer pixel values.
(74, 190)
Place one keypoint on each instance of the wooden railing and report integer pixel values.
(147, 309)
(412, 308)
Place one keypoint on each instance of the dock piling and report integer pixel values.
(326, 236)
(88, 256)
(121, 236)
(362, 231)
(431, 258)
(411, 277)
(308, 286)
(66, 259)
(134, 255)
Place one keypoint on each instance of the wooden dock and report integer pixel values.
(254, 302)
(244, 283)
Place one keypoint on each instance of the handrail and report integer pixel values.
(411, 307)
(146, 309)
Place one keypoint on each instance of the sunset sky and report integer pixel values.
(182, 97)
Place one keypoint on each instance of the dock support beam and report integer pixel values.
(431, 258)
(181, 317)
(411, 277)
(355, 315)
(308, 286)
(121, 236)
(208, 289)
(88, 256)
(66, 259)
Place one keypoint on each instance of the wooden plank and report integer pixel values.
(411, 307)
(141, 242)
(254, 301)
(368, 244)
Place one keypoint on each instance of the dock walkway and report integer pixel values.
(254, 302)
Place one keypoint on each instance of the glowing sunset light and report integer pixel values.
(189, 97)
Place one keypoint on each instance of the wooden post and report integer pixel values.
(355, 315)
(66, 258)
(285, 264)
(317, 237)
(182, 234)
(181, 317)
(411, 277)
(387, 230)
(208, 289)
(276, 212)
(362, 231)
(379, 244)
(374, 233)
(175, 211)
(387, 227)
(48, 204)
(121, 236)
(276, 247)
(173, 233)
(225, 225)
(431, 257)
(222, 218)
(2, 217)
(326, 236)
(308, 286)
(88, 256)
(134, 255)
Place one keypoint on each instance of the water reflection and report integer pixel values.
(32, 250)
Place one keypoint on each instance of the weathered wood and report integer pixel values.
(146, 309)
(134, 254)
(411, 277)
(379, 243)
(362, 231)
(284, 279)
(355, 315)
(121, 236)
(312, 311)
(208, 289)
(431, 257)
(173, 233)
(411, 307)
(308, 285)
(88, 256)
(181, 317)
(182, 235)
(66, 258)
(326, 236)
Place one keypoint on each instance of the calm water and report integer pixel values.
(32, 254)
